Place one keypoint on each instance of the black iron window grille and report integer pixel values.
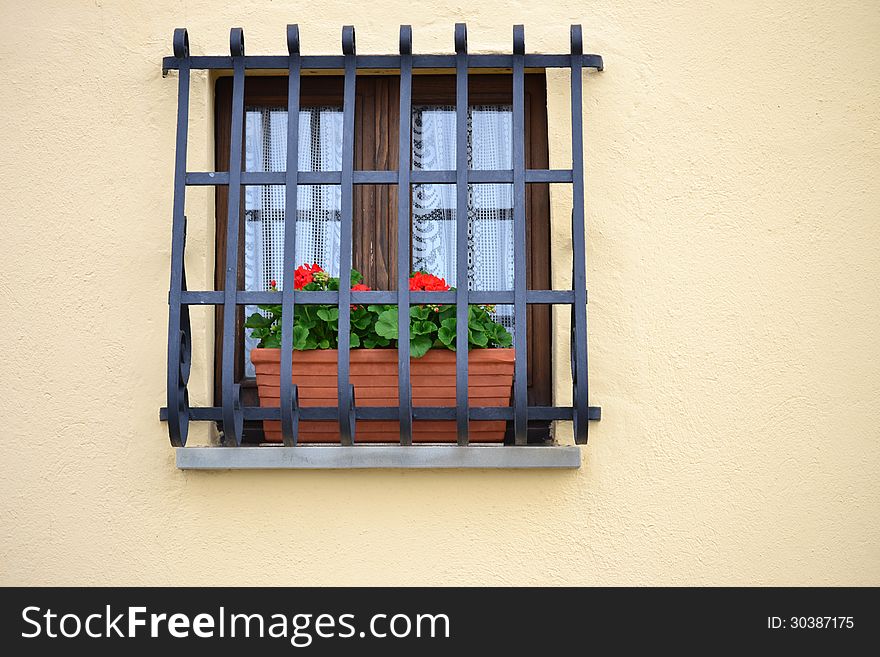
(231, 413)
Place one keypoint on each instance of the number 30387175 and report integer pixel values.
(811, 623)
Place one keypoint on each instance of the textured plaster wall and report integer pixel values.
(733, 196)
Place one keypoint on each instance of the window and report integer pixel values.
(249, 225)
(490, 211)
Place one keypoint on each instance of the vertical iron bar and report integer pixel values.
(461, 233)
(178, 415)
(520, 374)
(232, 421)
(346, 430)
(289, 264)
(404, 391)
(580, 400)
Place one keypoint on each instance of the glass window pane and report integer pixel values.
(490, 206)
(318, 206)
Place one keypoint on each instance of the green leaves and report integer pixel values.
(446, 334)
(419, 345)
(386, 325)
(258, 321)
(328, 314)
(478, 337)
(300, 335)
(422, 328)
(375, 326)
(419, 312)
(501, 336)
(362, 318)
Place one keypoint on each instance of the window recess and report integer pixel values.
(326, 184)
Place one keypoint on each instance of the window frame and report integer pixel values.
(375, 206)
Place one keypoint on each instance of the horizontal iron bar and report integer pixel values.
(215, 298)
(382, 62)
(330, 457)
(209, 413)
(418, 176)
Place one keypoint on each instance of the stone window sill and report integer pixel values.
(337, 457)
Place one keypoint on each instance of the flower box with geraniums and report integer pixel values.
(373, 371)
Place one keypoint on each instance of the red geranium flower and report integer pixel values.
(422, 282)
(304, 275)
(359, 287)
(272, 284)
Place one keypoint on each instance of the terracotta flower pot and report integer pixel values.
(374, 376)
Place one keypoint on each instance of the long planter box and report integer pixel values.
(373, 373)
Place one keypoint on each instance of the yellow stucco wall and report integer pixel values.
(732, 167)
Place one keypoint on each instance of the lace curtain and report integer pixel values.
(490, 207)
(318, 206)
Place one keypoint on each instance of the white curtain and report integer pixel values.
(490, 207)
(318, 206)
